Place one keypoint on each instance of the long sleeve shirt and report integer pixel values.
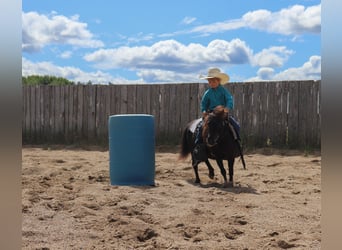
(214, 97)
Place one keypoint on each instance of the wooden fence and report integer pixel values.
(281, 114)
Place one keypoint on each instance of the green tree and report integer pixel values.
(45, 80)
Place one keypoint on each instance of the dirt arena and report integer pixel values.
(68, 203)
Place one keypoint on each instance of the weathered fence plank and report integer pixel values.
(115, 100)
(164, 112)
(236, 89)
(57, 103)
(62, 114)
(308, 112)
(32, 113)
(79, 108)
(142, 101)
(256, 123)
(131, 99)
(26, 114)
(174, 112)
(47, 112)
(247, 114)
(123, 100)
(184, 109)
(293, 115)
(275, 119)
(155, 107)
(68, 113)
(281, 113)
(194, 103)
(90, 110)
(270, 113)
(38, 115)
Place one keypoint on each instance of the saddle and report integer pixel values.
(200, 124)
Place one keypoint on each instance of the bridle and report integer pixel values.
(220, 135)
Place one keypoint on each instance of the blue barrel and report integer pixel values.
(131, 149)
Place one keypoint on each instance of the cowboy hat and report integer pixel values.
(216, 73)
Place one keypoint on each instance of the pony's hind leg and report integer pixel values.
(211, 169)
(231, 169)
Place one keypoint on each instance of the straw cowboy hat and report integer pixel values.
(216, 73)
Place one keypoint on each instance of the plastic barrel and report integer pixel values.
(131, 149)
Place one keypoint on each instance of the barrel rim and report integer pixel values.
(132, 115)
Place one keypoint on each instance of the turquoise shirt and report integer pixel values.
(215, 97)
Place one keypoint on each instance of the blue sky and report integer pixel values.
(154, 41)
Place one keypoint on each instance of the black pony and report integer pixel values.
(219, 144)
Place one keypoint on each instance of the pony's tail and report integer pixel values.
(185, 146)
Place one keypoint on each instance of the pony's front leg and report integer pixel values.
(211, 169)
(195, 167)
(195, 163)
(223, 171)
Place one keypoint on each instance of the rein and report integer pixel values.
(221, 136)
(218, 116)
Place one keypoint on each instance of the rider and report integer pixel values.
(214, 96)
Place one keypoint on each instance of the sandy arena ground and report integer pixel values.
(68, 203)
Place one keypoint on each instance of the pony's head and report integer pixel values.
(215, 126)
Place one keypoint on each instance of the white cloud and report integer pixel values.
(98, 77)
(310, 70)
(41, 30)
(272, 57)
(294, 20)
(172, 55)
(71, 73)
(218, 27)
(188, 20)
(66, 54)
(291, 21)
(164, 76)
(171, 61)
(140, 37)
(265, 73)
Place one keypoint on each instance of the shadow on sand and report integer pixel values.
(236, 189)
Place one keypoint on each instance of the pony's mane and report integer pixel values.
(219, 112)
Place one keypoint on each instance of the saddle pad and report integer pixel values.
(193, 125)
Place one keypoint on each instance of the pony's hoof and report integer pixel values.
(211, 175)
